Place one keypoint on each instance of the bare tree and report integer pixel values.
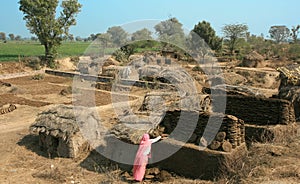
(294, 33)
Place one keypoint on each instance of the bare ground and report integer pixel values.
(21, 160)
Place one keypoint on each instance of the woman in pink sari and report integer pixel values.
(142, 155)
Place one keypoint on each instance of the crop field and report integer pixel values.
(13, 51)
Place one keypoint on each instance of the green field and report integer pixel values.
(13, 51)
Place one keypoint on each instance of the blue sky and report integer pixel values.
(98, 15)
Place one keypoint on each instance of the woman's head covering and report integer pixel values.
(145, 139)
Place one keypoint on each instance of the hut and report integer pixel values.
(59, 132)
(253, 59)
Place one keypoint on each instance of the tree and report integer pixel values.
(295, 32)
(279, 33)
(2, 36)
(18, 38)
(71, 37)
(232, 34)
(207, 33)
(33, 38)
(78, 39)
(171, 30)
(118, 35)
(92, 37)
(104, 40)
(11, 36)
(40, 17)
(143, 34)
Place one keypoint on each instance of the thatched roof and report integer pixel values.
(254, 56)
(62, 121)
(291, 73)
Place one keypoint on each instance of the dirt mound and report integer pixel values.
(66, 65)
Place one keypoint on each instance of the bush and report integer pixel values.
(198, 69)
(75, 60)
(38, 77)
(32, 62)
(120, 56)
(294, 51)
(52, 64)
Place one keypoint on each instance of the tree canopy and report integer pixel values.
(208, 34)
(41, 20)
(11, 36)
(232, 34)
(143, 34)
(118, 35)
(279, 33)
(171, 30)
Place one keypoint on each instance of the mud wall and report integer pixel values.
(56, 146)
(192, 162)
(233, 127)
(258, 111)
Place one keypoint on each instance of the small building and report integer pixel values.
(59, 132)
(253, 59)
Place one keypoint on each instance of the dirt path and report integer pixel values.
(19, 119)
(22, 74)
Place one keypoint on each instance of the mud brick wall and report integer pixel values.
(233, 127)
(58, 147)
(192, 162)
(258, 111)
(275, 133)
(85, 77)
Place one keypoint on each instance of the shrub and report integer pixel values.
(38, 77)
(120, 56)
(75, 60)
(32, 62)
(198, 69)
(294, 51)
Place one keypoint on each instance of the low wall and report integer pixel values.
(58, 147)
(258, 111)
(85, 77)
(273, 133)
(233, 127)
(187, 159)
(103, 79)
(192, 162)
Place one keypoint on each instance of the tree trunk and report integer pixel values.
(47, 51)
(48, 54)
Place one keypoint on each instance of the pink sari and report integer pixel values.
(141, 158)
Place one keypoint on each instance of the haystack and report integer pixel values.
(290, 75)
(59, 131)
(110, 61)
(253, 59)
(290, 86)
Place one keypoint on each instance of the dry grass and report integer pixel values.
(278, 162)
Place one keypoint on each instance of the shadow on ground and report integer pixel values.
(31, 142)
